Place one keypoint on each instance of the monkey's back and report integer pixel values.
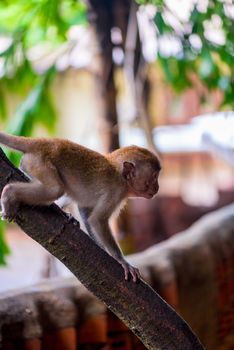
(86, 174)
(76, 158)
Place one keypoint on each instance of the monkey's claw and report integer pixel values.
(129, 269)
(70, 218)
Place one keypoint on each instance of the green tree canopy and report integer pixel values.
(26, 25)
(203, 38)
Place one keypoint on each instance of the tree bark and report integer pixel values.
(101, 16)
(156, 324)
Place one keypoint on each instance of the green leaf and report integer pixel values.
(4, 248)
(25, 112)
(3, 111)
(159, 22)
(229, 93)
(166, 68)
(162, 26)
(206, 66)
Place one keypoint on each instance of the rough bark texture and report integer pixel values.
(137, 305)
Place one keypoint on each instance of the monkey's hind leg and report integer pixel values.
(32, 193)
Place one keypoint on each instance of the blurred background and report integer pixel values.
(155, 73)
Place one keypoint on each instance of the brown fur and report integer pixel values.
(98, 184)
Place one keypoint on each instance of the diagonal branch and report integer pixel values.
(136, 304)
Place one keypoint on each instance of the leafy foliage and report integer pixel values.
(26, 25)
(4, 249)
(36, 108)
(203, 45)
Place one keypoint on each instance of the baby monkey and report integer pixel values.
(60, 170)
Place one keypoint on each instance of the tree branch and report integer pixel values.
(136, 304)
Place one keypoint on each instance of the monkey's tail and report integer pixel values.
(18, 143)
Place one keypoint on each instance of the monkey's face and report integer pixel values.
(142, 181)
(145, 185)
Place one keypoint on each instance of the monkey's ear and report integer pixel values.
(128, 170)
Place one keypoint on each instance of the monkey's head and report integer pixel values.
(141, 172)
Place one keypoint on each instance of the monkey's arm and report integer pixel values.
(115, 251)
(98, 227)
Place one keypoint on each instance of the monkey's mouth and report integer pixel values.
(147, 195)
(150, 195)
(143, 193)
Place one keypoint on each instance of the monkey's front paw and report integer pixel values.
(129, 269)
(9, 205)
